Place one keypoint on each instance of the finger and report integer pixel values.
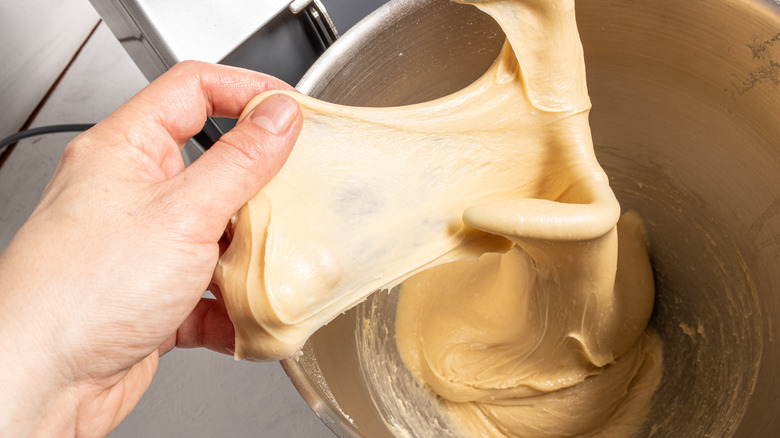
(207, 326)
(135, 384)
(174, 107)
(167, 345)
(170, 343)
(214, 289)
(241, 162)
(182, 98)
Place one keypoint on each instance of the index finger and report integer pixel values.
(173, 108)
(182, 98)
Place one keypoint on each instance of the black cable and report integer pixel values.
(50, 129)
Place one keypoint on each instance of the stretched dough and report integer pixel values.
(529, 318)
(371, 196)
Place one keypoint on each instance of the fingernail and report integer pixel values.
(275, 114)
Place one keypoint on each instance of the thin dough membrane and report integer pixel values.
(497, 188)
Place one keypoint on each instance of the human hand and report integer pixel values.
(107, 273)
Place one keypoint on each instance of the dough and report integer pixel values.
(370, 196)
(499, 178)
(507, 340)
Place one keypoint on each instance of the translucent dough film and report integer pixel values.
(499, 177)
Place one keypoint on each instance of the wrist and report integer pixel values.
(35, 400)
(33, 379)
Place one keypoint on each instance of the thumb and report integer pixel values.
(243, 161)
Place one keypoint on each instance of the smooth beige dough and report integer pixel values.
(371, 196)
(506, 341)
(525, 303)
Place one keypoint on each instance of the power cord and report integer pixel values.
(50, 129)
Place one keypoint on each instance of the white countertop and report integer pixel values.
(196, 393)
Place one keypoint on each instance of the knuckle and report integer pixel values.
(248, 147)
(186, 72)
(186, 67)
(76, 149)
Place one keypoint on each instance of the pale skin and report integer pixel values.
(108, 272)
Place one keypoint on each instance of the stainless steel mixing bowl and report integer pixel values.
(686, 122)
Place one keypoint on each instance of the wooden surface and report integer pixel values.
(39, 38)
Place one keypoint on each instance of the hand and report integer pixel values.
(107, 273)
